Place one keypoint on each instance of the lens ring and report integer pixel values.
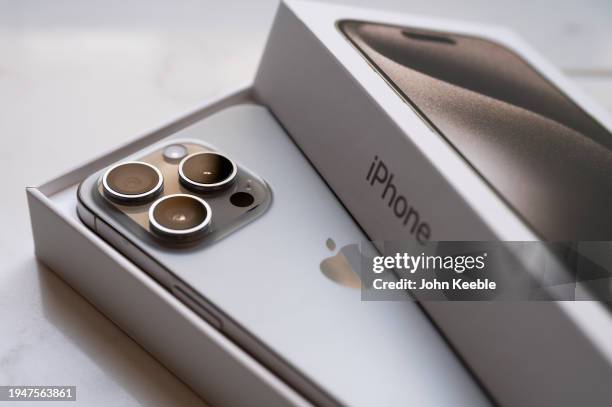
(129, 191)
(200, 228)
(216, 171)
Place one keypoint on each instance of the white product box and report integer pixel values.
(342, 113)
(218, 370)
(331, 103)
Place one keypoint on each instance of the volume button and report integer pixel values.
(196, 306)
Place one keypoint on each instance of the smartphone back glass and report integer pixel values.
(269, 284)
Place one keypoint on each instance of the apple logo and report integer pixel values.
(343, 267)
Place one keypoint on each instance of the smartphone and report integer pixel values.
(544, 156)
(232, 219)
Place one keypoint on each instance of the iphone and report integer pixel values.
(231, 218)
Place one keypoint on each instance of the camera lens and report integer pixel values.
(132, 182)
(206, 171)
(180, 216)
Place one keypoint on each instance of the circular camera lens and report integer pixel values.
(175, 152)
(206, 171)
(132, 182)
(180, 216)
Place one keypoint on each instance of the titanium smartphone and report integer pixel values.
(545, 156)
(230, 217)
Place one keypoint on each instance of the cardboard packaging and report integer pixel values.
(341, 114)
(195, 351)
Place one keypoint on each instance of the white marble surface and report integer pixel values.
(79, 77)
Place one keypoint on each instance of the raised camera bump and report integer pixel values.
(207, 171)
(132, 182)
(180, 216)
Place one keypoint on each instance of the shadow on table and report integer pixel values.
(122, 359)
